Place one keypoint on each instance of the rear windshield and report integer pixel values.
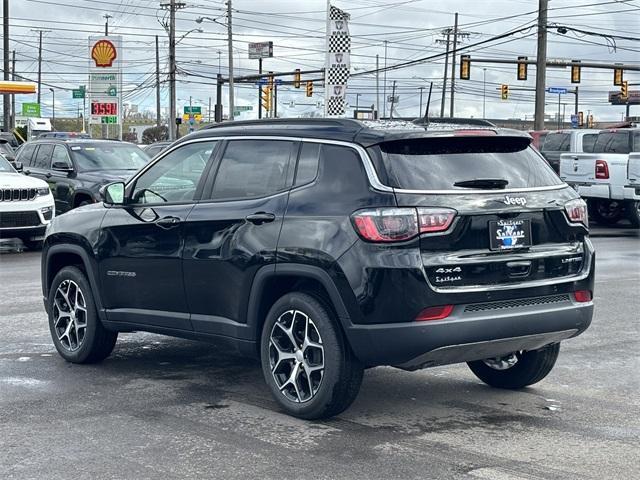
(612, 142)
(557, 142)
(108, 157)
(438, 163)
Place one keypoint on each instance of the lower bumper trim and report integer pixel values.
(469, 352)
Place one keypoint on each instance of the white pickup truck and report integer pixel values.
(604, 177)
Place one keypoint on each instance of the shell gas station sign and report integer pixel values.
(105, 80)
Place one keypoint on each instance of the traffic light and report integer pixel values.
(624, 90)
(522, 68)
(504, 92)
(581, 119)
(465, 67)
(617, 76)
(575, 71)
(309, 88)
(296, 78)
(265, 98)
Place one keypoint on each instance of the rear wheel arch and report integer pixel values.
(271, 283)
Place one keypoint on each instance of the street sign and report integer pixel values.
(194, 109)
(558, 90)
(574, 121)
(243, 108)
(261, 50)
(77, 93)
(31, 110)
(393, 99)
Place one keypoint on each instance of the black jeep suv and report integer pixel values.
(328, 246)
(76, 169)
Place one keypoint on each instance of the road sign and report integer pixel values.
(194, 109)
(558, 90)
(31, 110)
(261, 50)
(574, 121)
(392, 99)
(243, 108)
(77, 93)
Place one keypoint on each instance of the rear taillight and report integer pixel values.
(577, 211)
(434, 313)
(399, 224)
(583, 296)
(602, 169)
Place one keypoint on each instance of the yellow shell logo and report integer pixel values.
(103, 53)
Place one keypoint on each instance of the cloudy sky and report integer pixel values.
(411, 28)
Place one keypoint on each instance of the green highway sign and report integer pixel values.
(31, 110)
(243, 108)
(77, 93)
(194, 110)
(109, 119)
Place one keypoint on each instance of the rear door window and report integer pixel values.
(438, 163)
(254, 168)
(612, 142)
(588, 141)
(557, 142)
(43, 156)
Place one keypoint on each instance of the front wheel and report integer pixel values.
(306, 361)
(76, 330)
(518, 369)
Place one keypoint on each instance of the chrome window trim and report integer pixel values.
(370, 170)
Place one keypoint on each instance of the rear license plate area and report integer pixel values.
(509, 234)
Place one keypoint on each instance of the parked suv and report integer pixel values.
(26, 206)
(325, 247)
(76, 169)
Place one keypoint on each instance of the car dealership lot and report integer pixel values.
(170, 408)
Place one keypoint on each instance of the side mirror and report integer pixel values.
(18, 166)
(62, 167)
(113, 193)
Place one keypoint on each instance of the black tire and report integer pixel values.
(607, 212)
(632, 210)
(342, 373)
(531, 367)
(97, 343)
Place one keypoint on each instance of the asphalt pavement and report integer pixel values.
(168, 408)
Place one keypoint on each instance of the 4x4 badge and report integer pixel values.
(515, 200)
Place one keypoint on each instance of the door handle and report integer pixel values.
(168, 222)
(259, 218)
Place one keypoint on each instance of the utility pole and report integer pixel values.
(484, 93)
(230, 40)
(384, 82)
(12, 121)
(576, 103)
(106, 17)
(393, 100)
(444, 80)
(377, 86)
(5, 47)
(420, 111)
(453, 63)
(172, 6)
(541, 65)
(158, 115)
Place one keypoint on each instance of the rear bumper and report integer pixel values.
(472, 332)
(632, 193)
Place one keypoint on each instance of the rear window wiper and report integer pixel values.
(482, 183)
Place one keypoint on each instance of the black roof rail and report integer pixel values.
(294, 122)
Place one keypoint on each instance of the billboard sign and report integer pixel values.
(105, 80)
(31, 110)
(261, 50)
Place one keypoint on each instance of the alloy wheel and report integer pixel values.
(70, 315)
(296, 356)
